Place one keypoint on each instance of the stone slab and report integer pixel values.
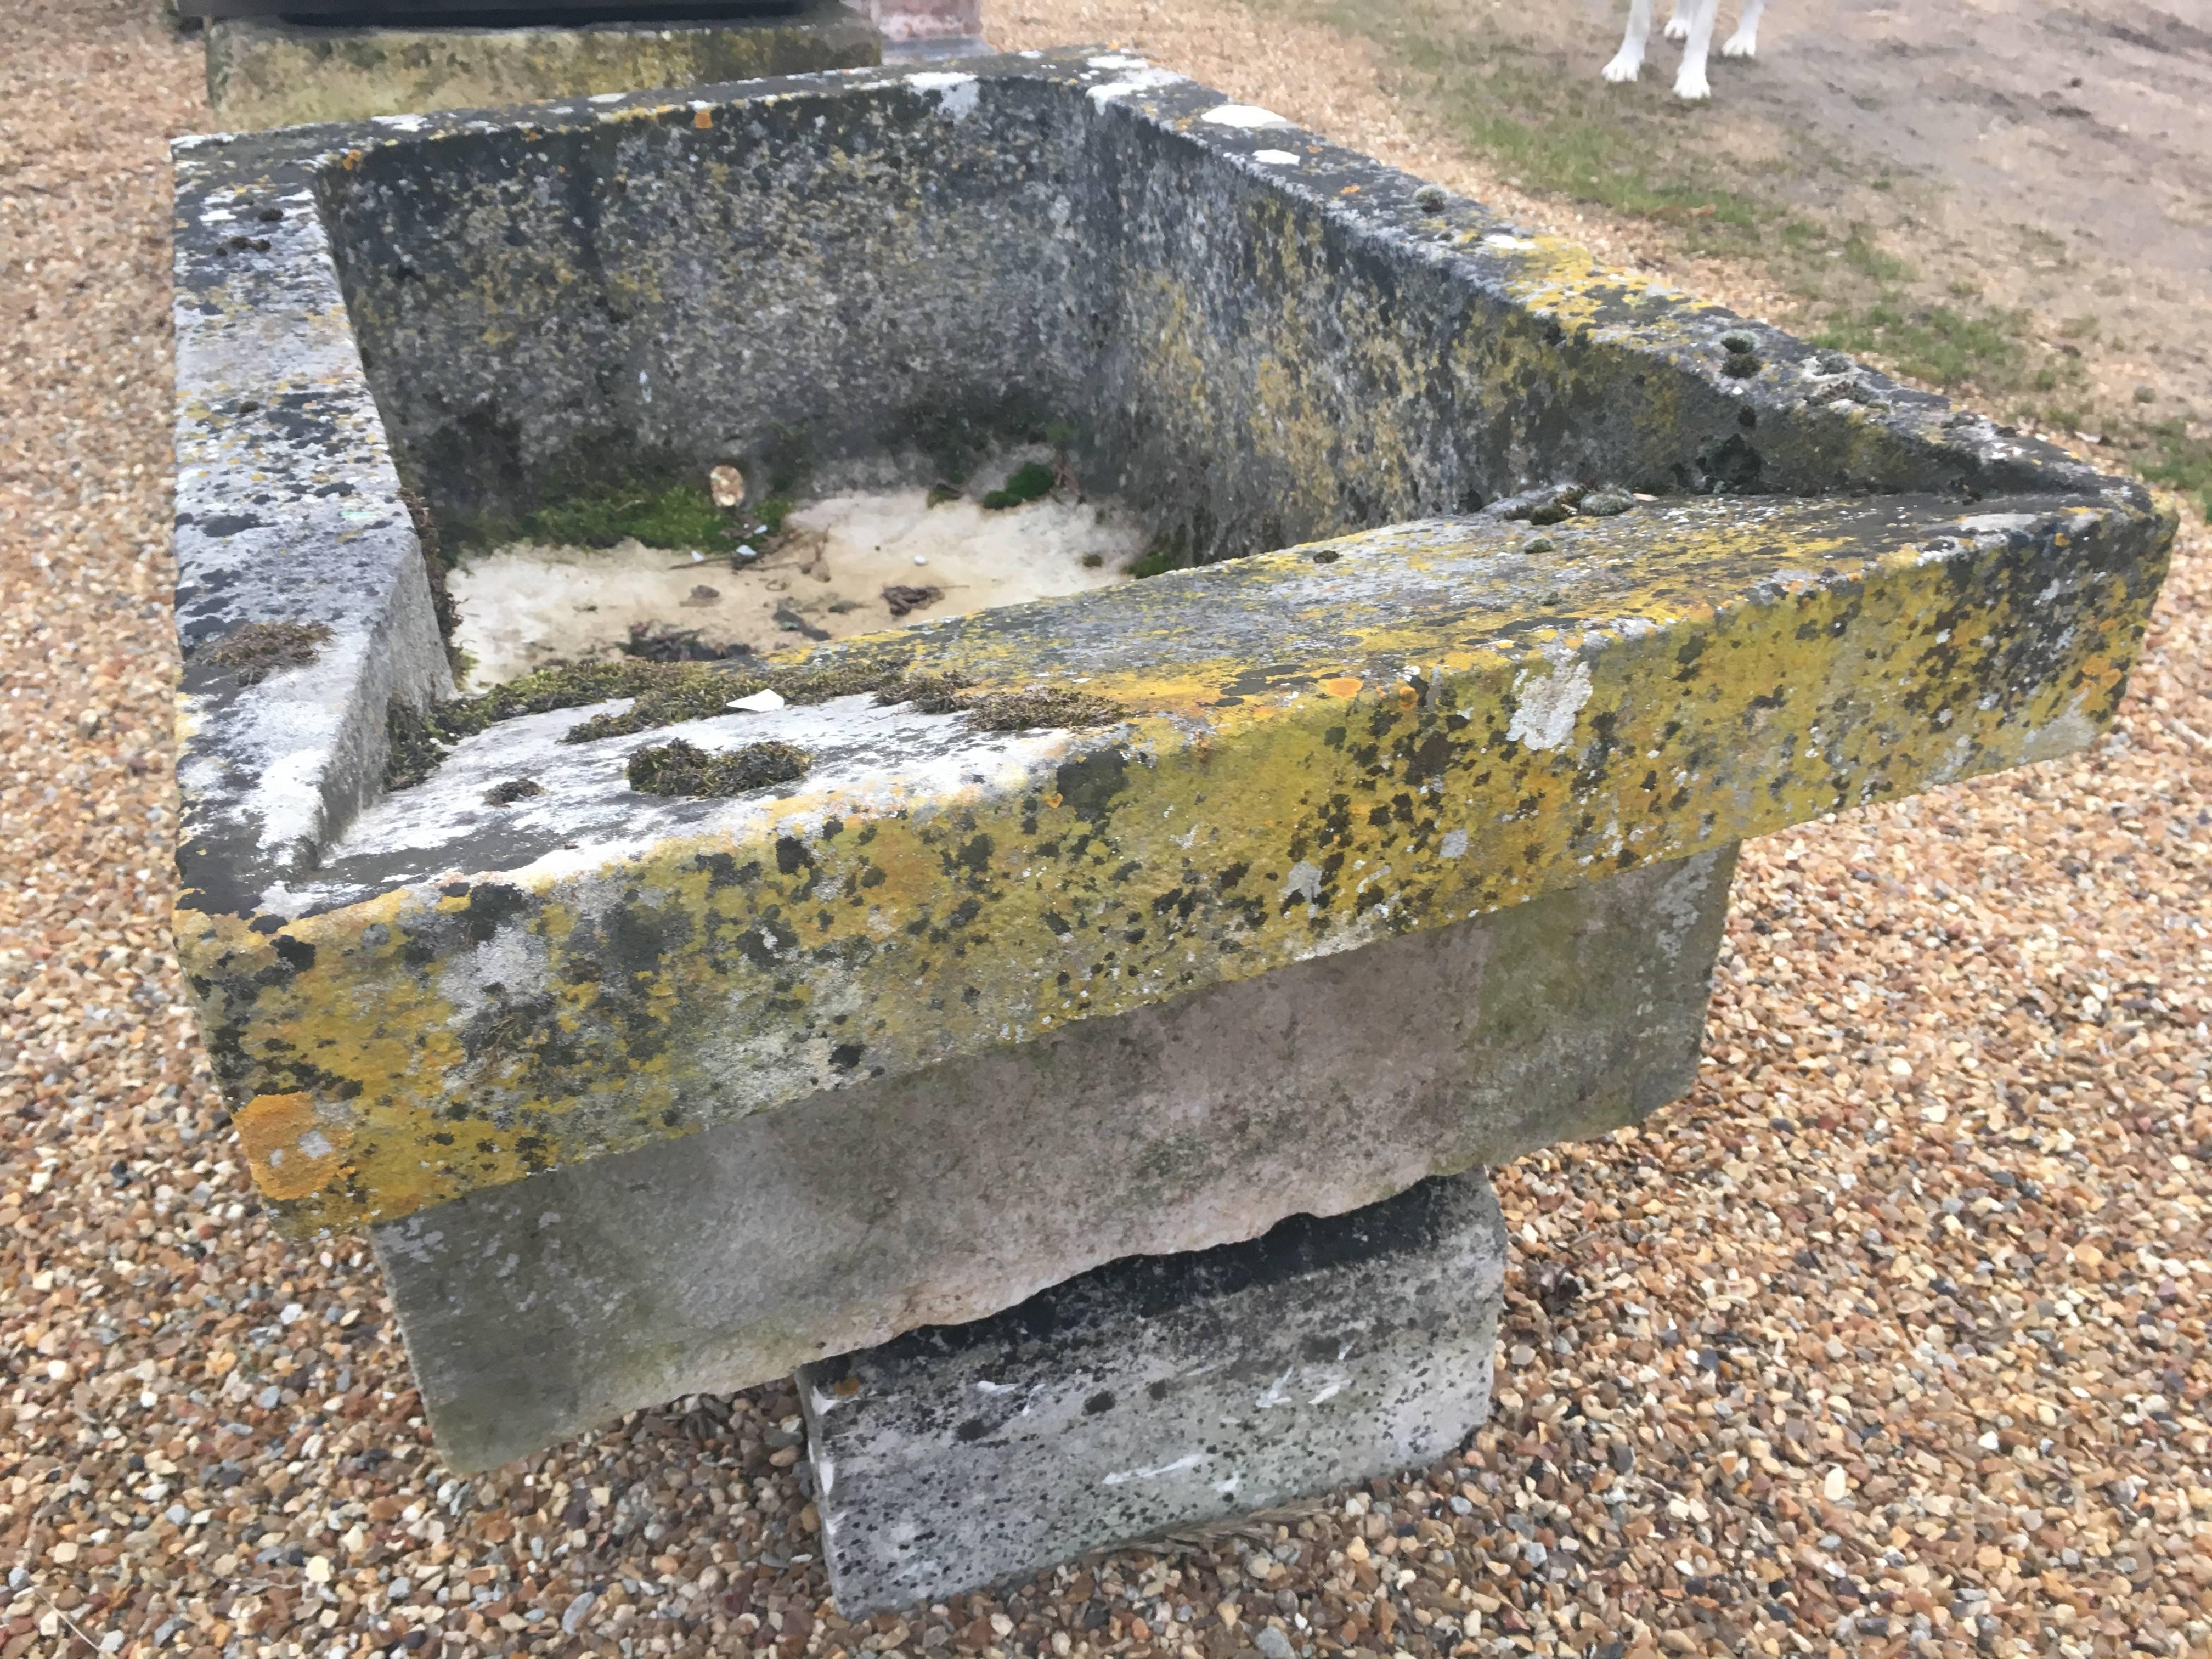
(1156, 1393)
(535, 1310)
(1404, 708)
(271, 72)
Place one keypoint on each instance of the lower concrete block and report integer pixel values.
(542, 1308)
(1157, 1392)
(264, 72)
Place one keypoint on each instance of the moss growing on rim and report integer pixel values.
(1039, 707)
(681, 769)
(669, 693)
(254, 651)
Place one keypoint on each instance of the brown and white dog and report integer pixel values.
(1692, 21)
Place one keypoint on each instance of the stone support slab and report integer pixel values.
(266, 72)
(1157, 1392)
(538, 1310)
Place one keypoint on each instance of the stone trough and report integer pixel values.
(1385, 836)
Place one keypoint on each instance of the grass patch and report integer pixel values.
(1946, 345)
(2169, 456)
(681, 516)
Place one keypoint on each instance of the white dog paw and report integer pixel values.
(1693, 88)
(1623, 68)
(1677, 27)
(1740, 45)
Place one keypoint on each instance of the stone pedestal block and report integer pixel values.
(1157, 1392)
(267, 72)
(731, 1256)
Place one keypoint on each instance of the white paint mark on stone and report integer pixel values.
(1545, 716)
(761, 702)
(1455, 843)
(288, 801)
(1122, 1477)
(1328, 1394)
(1116, 60)
(1145, 80)
(1277, 158)
(956, 91)
(1276, 1394)
(1304, 881)
(401, 123)
(1245, 116)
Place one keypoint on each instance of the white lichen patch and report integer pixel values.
(529, 606)
(1246, 116)
(1547, 704)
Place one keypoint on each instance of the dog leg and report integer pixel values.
(1690, 82)
(1678, 26)
(1744, 43)
(1630, 58)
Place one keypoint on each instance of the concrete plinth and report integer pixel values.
(731, 1256)
(264, 72)
(1157, 1392)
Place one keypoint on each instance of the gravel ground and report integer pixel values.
(1891, 1336)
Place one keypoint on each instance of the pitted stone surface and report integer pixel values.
(1158, 1393)
(1843, 593)
(727, 1258)
(265, 72)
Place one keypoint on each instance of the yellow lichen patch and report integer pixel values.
(291, 1154)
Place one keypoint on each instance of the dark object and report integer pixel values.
(683, 768)
(657, 642)
(904, 599)
(514, 789)
(460, 13)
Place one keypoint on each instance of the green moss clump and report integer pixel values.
(684, 696)
(413, 749)
(683, 768)
(1040, 707)
(1162, 559)
(681, 516)
(1030, 483)
(774, 511)
(254, 651)
(932, 694)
